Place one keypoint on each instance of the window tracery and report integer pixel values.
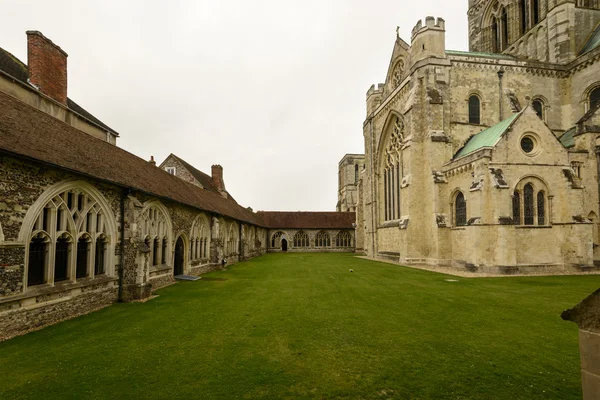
(154, 226)
(199, 238)
(343, 239)
(276, 240)
(69, 239)
(322, 239)
(391, 170)
(301, 239)
(397, 74)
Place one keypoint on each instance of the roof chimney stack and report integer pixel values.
(47, 64)
(217, 178)
(152, 162)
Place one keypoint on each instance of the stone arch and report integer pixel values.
(57, 189)
(586, 95)
(531, 195)
(62, 214)
(275, 239)
(389, 167)
(200, 237)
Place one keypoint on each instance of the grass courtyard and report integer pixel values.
(288, 326)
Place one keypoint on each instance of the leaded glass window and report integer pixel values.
(541, 208)
(322, 240)
(343, 239)
(301, 239)
(594, 97)
(474, 110)
(460, 210)
(528, 204)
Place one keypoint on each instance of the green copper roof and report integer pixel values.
(567, 138)
(593, 41)
(487, 138)
(474, 54)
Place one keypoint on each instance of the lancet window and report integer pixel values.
(474, 109)
(69, 239)
(460, 210)
(529, 204)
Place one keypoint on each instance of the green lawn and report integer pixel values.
(303, 326)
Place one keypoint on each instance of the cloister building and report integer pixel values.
(84, 223)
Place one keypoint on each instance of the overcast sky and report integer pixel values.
(274, 91)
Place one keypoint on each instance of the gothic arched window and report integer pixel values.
(322, 239)
(594, 97)
(541, 208)
(538, 107)
(528, 205)
(495, 37)
(474, 110)
(460, 210)
(276, 240)
(64, 237)
(523, 15)
(343, 239)
(301, 239)
(535, 12)
(504, 28)
(390, 168)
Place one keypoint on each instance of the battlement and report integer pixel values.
(375, 89)
(430, 24)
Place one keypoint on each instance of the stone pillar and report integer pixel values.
(587, 316)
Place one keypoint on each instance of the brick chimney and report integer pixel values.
(217, 178)
(47, 64)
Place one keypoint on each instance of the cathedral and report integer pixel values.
(485, 161)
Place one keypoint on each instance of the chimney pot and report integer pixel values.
(152, 162)
(47, 64)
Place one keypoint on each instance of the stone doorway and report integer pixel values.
(179, 253)
(283, 245)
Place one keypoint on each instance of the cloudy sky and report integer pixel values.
(274, 91)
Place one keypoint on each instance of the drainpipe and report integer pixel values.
(124, 194)
(500, 75)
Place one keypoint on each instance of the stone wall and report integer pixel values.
(27, 187)
(288, 235)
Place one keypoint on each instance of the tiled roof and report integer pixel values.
(479, 54)
(204, 179)
(12, 66)
(27, 132)
(567, 139)
(308, 219)
(488, 137)
(592, 42)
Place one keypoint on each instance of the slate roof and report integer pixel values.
(204, 179)
(308, 219)
(488, 137)
(14, 67)
(29, 133)
(567, 139)
(592, 42)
